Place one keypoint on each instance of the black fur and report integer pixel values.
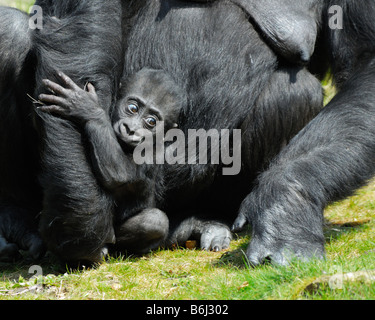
(290, 27)
(148, 101)
(84, 40)
(260, 96)
(19, 191)
(291, 167)
(74, 222)
(330, 158)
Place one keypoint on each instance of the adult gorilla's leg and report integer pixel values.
(281, 114)
(84, 40)
(145, 231)
(20, 195)
(76, 221)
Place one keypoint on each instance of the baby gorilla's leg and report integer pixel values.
(143, 232)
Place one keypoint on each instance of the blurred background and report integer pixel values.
(20, 4)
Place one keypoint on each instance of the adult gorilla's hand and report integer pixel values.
(285, 224)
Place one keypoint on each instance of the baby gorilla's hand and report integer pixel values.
(71, 102)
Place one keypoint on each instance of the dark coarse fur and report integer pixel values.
(326, 161)
(291, 167)
(355, 43)
(330, 158)
(233, 81)
(149, 101)
(20, 197)
(84, 40)
(13, 87)
(231, 78)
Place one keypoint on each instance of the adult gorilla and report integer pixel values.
(44, 163)
(234, 80)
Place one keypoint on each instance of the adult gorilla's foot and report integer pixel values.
(18, 231)
(144, 232)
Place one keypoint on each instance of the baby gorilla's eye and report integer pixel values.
(133, 108)
(151, 122)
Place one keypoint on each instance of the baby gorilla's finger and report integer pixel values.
(51, 109)
(54, 87)
(52, 99)
(69, 82)
(91, 89)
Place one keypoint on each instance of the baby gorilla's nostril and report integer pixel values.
(126, 128)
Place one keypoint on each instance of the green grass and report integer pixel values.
(194, 274)
(20, 4)
(197, 275)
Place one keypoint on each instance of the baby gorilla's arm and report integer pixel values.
(113, 167)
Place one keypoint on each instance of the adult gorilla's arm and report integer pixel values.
(113, 167)
(19, 196)
(83, 39)
(329, 159)
(289, 26)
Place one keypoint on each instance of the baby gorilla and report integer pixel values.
(147, 100)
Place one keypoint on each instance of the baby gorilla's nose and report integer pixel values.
(125, 130)
(129, 134)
